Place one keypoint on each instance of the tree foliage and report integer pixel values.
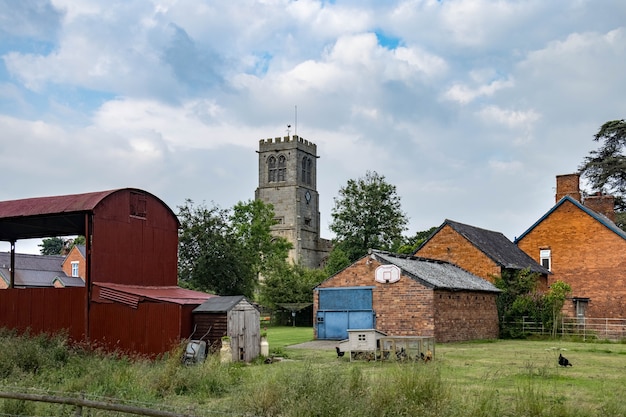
(605, 168)
(291, 283)
(518, 299)
(411, 243)
(223, 251)
(59, 246)
(367, 215)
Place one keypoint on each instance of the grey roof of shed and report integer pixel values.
(494, 245)
(436, 274)
(33, 270)
(221, 304)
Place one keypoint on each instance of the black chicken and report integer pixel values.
(563, 361)
(339, 353)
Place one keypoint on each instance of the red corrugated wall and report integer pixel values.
(150, 329)
(47, 310)
(134, 250)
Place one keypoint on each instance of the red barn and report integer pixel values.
(130, 300)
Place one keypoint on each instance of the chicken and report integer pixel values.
(563, 361)
(339, 353)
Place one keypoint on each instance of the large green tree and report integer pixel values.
(292, 283)
(223, 251)
(59, 245)
(367, 215)
(605, 168)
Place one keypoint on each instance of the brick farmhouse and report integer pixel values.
(482, 252)
(578, 241)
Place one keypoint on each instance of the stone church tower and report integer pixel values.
(288, 181)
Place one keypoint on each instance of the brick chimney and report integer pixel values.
(568, 184)
(601, 203)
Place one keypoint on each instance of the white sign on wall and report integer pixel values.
(387, 274)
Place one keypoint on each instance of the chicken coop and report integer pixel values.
(407, 348)
(232, 316)
(362, 343)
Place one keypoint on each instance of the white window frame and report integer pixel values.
(545, 254)
(75, 265)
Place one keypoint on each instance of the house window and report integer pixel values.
(545, 256)
(75, 268)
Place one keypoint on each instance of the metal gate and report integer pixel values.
(341, 309)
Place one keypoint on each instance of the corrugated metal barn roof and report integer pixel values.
(436, 274)
(130, 294)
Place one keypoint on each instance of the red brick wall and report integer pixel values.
(586, 255)
(408, 308)
(465, 315)
(75, 255)
(448, 245)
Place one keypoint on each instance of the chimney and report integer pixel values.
(603, 204)
(568, 184)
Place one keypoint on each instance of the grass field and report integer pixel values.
(484, 378)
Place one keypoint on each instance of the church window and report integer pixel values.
(307, 165)
(271, 173)
(282, 168)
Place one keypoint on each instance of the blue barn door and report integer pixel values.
(341, 309)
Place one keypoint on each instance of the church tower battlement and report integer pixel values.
(288, 181)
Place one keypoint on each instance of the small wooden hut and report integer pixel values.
(232, 316)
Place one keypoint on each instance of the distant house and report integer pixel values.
(75, 263)
(404, 295)
(482, 252)
(35, 271)
(578, 241)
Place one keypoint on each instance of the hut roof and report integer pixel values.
(221, 304)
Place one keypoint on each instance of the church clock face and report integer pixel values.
(307, 196)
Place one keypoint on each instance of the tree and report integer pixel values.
(411, 244)
(292, 283)
(367, 215)
(554, 300)
(337, 260)
(59, 246)
(252, 223)
(223, 251)
(605, 168)
(518, 299)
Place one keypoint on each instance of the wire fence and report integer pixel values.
(583, 327)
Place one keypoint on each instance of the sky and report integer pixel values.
(470, 108)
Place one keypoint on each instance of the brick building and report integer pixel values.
(288, 181)
(406, 296)
(482, 252)
(580, 244)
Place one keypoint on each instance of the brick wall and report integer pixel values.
(75, 256)
(448, 245)
(465, 315)
(408, 308)
(586, 255)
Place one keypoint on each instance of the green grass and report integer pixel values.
(481, 378)
(281, 336)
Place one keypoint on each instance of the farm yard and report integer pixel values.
(483, 378)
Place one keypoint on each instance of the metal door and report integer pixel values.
(341, 309)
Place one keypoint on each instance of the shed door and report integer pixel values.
(341, 309)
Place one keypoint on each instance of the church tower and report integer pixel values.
(288, 181)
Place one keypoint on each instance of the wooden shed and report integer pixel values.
(232, 316)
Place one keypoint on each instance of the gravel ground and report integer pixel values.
(317, 344)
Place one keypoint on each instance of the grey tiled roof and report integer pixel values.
(221, 304)
(436, 274)
(32, 270)
(497, 247)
